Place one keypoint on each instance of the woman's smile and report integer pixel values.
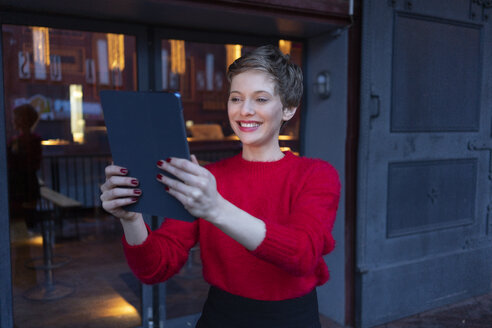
(248, 126)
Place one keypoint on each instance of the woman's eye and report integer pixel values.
(262, 100)
(234, 100)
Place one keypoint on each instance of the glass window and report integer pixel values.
(68, 268)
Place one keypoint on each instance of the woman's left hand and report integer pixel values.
(196, 188)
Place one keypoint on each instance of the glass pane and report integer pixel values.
(198, 71)
(68, 267)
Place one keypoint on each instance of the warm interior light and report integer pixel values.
(41, 51)
(54, 142)
(35, 241)
(285, 46)
(116, 51)
(41, 45)
(77, 122)
(116, 306)
(178, 57)
(233, 52)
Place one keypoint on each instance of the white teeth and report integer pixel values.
(248, 125)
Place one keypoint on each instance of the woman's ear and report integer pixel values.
(288, 113)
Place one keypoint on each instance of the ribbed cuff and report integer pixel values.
(140, 256)
(279, 244)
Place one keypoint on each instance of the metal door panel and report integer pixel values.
(424, 157)
(459, 10)
(413, 287)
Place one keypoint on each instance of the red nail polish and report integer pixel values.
(137, 191)
(124, 171)
(134, 199)
(159, 163)
(159, 176)
(134, 182)
(168, 160)
(167, 188)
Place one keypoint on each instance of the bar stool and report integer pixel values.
(49, 290)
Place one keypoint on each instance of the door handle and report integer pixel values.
(374, 108)
(476, 145)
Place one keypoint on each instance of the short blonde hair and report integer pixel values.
(286, 75)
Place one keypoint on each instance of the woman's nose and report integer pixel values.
(247, 108)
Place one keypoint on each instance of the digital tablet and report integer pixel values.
(144, 127)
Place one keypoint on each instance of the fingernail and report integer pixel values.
(168, 160)
(159, 176)
(167, 188)
(137, 191)
(124, 171)
(134, 182)
(134, 199)
(159, 163)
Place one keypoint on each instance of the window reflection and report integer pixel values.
(87, 282)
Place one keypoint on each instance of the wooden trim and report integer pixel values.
(334, 12)
(319, 7)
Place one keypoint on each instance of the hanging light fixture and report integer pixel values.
(116, 51)
(41, 50)
(41, 45)
(233, 52)
(285, 46)
(178, 64)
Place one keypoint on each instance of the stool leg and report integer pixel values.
(48, 252)
(48, 290)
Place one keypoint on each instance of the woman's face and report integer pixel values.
(255, 110)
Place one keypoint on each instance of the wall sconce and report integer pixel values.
(322, 86)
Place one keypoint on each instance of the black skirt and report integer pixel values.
(225, 310)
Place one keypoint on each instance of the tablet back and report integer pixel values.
(144, 127)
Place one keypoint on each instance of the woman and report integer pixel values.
(265, 216)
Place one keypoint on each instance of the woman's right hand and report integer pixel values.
(119, 190)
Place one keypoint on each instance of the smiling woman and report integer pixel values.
(256, 113)
(266, 257)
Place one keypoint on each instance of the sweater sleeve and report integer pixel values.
(298, 245)
(164, 252)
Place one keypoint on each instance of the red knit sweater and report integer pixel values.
(296, 197)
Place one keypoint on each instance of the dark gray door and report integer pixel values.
(424, 225)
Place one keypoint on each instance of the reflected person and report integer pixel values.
(24, 154)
